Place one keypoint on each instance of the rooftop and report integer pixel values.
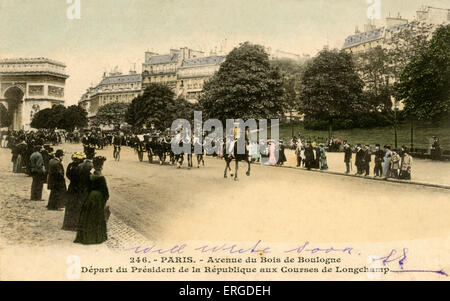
(162, 59)
(363, 37)
(209, 60)
(38, 60)
(121, 79)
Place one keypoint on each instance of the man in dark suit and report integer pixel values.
(379, 159)
(37, 170)
(309, 156)
(347, 156)
(359, 158)
(56, 182)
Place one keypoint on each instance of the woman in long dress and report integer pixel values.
(387, 161)
(92, 224)
(323, 158)
(74, 194)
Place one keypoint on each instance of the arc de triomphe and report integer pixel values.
(30, 85)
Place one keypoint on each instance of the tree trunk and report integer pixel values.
(330, 128)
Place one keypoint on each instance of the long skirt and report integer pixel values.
(387, 168)
(323, 164)
(18, 167)
(92, 224)
(57, 199)
(73, 209)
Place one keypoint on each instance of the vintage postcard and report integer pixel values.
(255, 140)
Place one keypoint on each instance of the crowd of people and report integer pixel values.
(388, 162)
(85, 197)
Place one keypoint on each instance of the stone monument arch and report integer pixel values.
(30, 85)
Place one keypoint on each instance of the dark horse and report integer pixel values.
(236, 157)
(158, 147)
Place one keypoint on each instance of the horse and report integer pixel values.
(236, 157)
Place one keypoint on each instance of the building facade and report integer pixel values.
(193, 73)
(114, 87)
(28, 85)
(372, 37)
(163, 68)
(428, 19)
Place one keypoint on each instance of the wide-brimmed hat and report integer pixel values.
(59, 153)
(79, 156)
(98, 161)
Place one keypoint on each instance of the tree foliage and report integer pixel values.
(60, 117)
(331, 87)
(425, 82)
(375, 70)
(41, 120)
(246, 86)
(5, 116)
(74, 117)
(291, 73)
(111, 114)
(406, 44)
(157, 105)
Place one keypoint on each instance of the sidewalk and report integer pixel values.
(424, 172)
(25, 222)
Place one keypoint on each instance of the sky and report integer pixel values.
(113, 33)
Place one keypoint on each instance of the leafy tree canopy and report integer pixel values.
(74, 117)
(60, 117)
(425, 82)
(246, 86)
(331, 87)
(5, 116)
(155, 106)
(375, 70)
(42, 119)
(291, 72)
(111, 114)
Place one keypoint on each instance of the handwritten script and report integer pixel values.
(393, 256)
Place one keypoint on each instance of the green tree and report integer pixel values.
(74, 117)
(375, 70)
(5, 116)
(425, 82)
(185, 109)
(246, 86)
(291, 72)
(111, 114)
(155, 106)
(406, 44)
(41, 120)
(57, 117)
(331, 87)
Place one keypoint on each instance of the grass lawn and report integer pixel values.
(423, 132)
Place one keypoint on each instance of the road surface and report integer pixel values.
(274, 204)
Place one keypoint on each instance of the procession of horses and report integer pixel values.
(158, 149)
